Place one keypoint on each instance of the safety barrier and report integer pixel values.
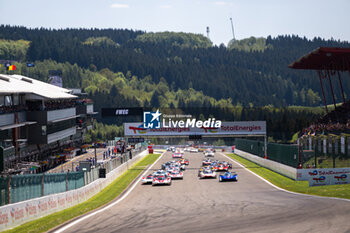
(272, 165)
(16, 214)
(18, 188)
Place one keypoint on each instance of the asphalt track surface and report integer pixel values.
(194, 205)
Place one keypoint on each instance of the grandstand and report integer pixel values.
(329, 63)
(327, 141)
(39, 122)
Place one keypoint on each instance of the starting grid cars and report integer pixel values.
(210, 168)
(174, 170)
(169, 171)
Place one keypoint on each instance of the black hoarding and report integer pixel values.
(115, 112)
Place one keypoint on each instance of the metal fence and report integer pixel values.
(23, 187)
(325, 151)
(285, 154)
(18, 188)
(320, 151)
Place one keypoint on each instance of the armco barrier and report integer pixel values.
(272, 165)
(13, 215)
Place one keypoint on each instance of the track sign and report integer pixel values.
(102, 173)
(136, 140)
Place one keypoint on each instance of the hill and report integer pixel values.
(258, 77)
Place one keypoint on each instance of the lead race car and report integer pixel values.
(161, 180)
(228, 176)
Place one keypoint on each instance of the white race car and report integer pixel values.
(176, 175)
(147, 179)
(194, 150)
(161, 180)
(177, 155)
(207, 173)
(209, 154)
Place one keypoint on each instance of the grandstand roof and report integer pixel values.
(324, 58)
(11, 84)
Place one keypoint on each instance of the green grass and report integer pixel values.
(100, 199)
(341, 191)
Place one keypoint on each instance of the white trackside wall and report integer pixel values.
(315, 176)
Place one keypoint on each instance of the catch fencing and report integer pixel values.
(285, 154)
(325, 151)
(18, 188)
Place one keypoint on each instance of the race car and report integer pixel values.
(207, 167)
(147, 179)
(221, 167)
(193, 150)
(226, 164)
(161, 180)
(209, 153)
(184, 161)
(159, 173)
(175, 175)
(177, 155)
(207, 162)
(207, 173)
(228, 176)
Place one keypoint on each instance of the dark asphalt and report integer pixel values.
(194, 205)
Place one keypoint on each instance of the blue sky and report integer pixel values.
(310, 18)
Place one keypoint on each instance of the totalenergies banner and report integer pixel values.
(226, 128)
(328, 176)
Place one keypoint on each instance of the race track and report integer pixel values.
(193, 205)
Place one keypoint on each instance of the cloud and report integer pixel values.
(118, 5)
(165, 6)
(220, 3)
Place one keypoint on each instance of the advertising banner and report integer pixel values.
(226, 128)
(325, 176)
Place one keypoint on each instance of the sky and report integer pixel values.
(260, 18)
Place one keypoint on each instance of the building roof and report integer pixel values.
(324, 58)
(12, 84)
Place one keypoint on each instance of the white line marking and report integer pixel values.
(281, 189)
(110, 205)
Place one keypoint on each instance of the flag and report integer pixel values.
(0, 65)
(29, 64)
(12, 67)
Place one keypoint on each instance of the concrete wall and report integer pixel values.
(13, 215)
(272, 165)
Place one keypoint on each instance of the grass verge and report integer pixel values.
(341, 191)
(105, 196)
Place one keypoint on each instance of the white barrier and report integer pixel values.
(272, 165)
(13, 215)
